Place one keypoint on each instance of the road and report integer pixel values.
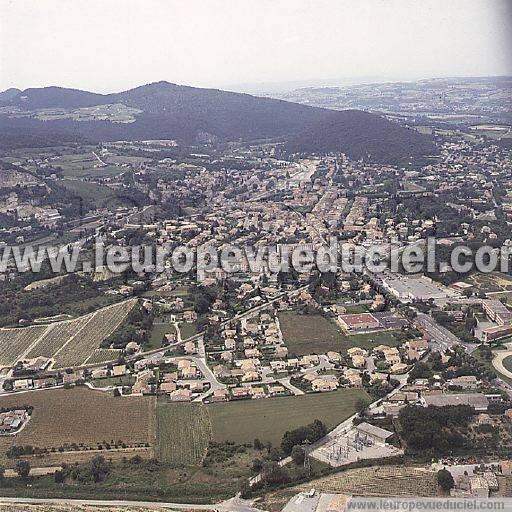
(440, 336)
(233, 505)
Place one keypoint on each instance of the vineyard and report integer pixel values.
(69, 342)
(81, 420)
(77, 350)
(183, 433)
(14, 342)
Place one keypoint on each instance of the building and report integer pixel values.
(477, 401)
(376, 434)
(357, 323)
(497, 312)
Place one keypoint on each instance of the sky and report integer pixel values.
(113, 45)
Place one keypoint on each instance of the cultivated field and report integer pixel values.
(14, 342)
(183, 433)
(314, 334)
(269, 419)
(309, 334)
(373, 481)
(63, 418)
(69, 342)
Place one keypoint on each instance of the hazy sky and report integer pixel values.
(110, 45)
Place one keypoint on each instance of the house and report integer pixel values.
(398, 368)
(392, 356)
(309, 360)
(167, 387)
(250, 342)
(278, 366)
(292, 363)
(251, 353)
(230, 344)
(334, 357)
(221, 372)
(323, 385)
(220, 395)
(20, 384)
(250, 376)
(119, 370)
(226, 356)
(189, 316)
(354, 378)
(181, 395)
(190, 348)
(189, 372)
(276, 390)
(258, 393)
(99, 373)
(465, 382)
(240, 393)
(281, 352)
(358, 361)
(357, 351)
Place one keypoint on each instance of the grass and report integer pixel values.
(158, 331)
(492, 282)
(183, 433)
(187, 330)
(123, 380)
(269, 419)
(507, 363)
(479, 356)
(373, 339)
(82, 417)
(315, 334)
(88, 191)
(309, 334)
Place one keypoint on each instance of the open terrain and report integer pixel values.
(183, 433)
(269, 419)
(80, 419)
(315, 334)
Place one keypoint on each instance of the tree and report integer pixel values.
(258, 445)
(22, 468)
(59, 476)
(2, 473)
(298, 455)
(99, 468)
(273, 473)
(445, 479)
(257, 465)
(361, 405)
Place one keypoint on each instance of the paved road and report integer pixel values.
(499, 357)
(233, 505)
(441, 336)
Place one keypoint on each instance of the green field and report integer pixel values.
(187, 330)
(88, 191)
(309, 334)
(183, 433)
(373, 339)
(269, 419)
(507, 363)
(158, 331)
(315, 334)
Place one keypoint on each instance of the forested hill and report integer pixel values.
(167, 111)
